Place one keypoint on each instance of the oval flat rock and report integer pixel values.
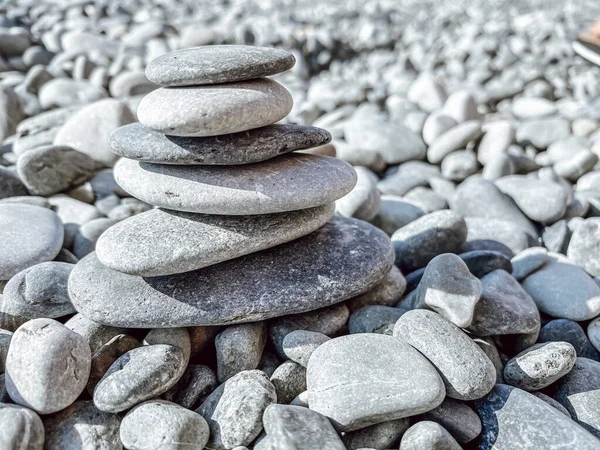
(135, 141)
(340, 260)
(288, 183)
(217, 64)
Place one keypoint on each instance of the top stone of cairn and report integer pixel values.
(217, 64)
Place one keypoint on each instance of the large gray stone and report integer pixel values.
(350, 378)
(10, 184)
(363, 201)
(47, 366)
(238, 348)
(290, 182)
(217, 64)
(212, 110)
(20, 428)
(342, 259)
(458, 418)
(147, 245)
(466, 370)
(29, 235)
(135, 141)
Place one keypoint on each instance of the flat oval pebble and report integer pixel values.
(340, 260)
(288, 183)
(217, 64)
(47, 366)
(30, 235)
(20, 428)
(363, 379)
(135, 141)
(215, 109)
(159, 424)
(146, 245)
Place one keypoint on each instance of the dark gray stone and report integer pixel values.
(197, 382)
(347, 255)
(386, 292)
(239, 348)
(5, 337)
(482, 262)
(457, 418)
(564, 330)
(381, 435)
(374, 319)
(217, 64)
(395, 213)
(528, 261)
(10, 184)
(135, 141)
(298, 345)
(289, 380)
(374, 365)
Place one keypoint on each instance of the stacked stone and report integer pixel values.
(244, 228)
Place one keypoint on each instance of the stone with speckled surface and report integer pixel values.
(217, 64)
(215, 109)
(340, 260)
(290, 182)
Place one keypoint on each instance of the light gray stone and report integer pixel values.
(94, 333)
(427, 435)
(542, 132)
(86, 236)
(289, 380)
(288, 183)
(533, 107)
(436, 124)
(381, 435)
(20, 428)
(386, 292)
(363, 200)
(239, 348)
(145, 244)
(528, 261)
(494, 234)
(584, 246)
(298, 345)
(453, 139)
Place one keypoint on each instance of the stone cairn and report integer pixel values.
(244, 228)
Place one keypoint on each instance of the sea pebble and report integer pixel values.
(20, 428)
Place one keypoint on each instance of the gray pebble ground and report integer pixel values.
(271, 225)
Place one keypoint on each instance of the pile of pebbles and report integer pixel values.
(189, 261)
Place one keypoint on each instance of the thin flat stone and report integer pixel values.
(29, 235)
(217, 64)
(215, 109)
(340, 260)
(147, 245)
(288, 183)
(135, 141)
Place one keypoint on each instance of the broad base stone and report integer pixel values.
(339, 261)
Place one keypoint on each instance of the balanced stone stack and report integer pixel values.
(244, 228)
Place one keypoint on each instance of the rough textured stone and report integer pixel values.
(106, 355)
(94, 333)
(514, 419)
(212, 110)
(289, 380)
(86, 237)
(5, 337)
(235, 409)
(564, 330)
(239, 348)
(347, 257)
(466, 370)
(197, 382)
(298, 428)
(291, 182)
(138, 375)
(135, 141)
(30, 235)
(164, 425)
(47, 366)
(386, 292)
(217, 64)
(20, 428)
(145, 244)
(82, 425)
(350, 378)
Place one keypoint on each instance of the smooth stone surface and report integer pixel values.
(448, 288)
(10, 184)
(466, 370)
(374, 319)
(504, 307)
(212, 110)
(428, 435)
(94, 333)
(47, 366)
(146, 245)
(423, 239)
(106, 355)
(39, 291)
(197, 382)
(82, 426)
(564, 291)
(299, 428)
(52, 169)
(496, 234)
(135, 141)
(350, 378)
(343, 259)
(540, 365)
(584, 246)
(291, 182)
(564, 330)
(88, 130)
(138, 375)
(395, 212)
(593, 332)
(239, 348)
(514, 419)
(30, 235)
(458, 418)
(482, 262)
(528, 261)
(453, 139)
(532, 107)
(364, 200)
(542, 132)
(158, 424)
(300, 344)
(217, 64)
(235, 409)
(20, 428)
(381, 435)
(386, 292)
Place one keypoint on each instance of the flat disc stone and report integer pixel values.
(163, 242)
(135, 141)
(215, 109)
(29, 235)
(287, 183)
(217, 64)
(342, 259)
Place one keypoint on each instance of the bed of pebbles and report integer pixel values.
(189, 260)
